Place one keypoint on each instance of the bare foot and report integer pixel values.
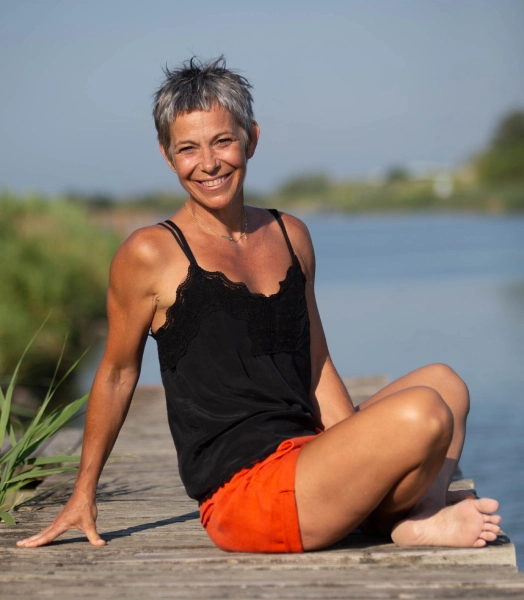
(468, 524)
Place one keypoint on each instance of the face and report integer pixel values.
(208, 154)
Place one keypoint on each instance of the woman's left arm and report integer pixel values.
(328, 392)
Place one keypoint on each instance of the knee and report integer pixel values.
(446, 380)
(427, 415)
(445, 374)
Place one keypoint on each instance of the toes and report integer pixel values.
(480, 543)
(489, 536)
(491, 527)
(494, 519)
(486, 505)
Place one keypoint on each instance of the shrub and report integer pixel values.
(54, 261)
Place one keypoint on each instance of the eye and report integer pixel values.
(185, 149)
(224, 141)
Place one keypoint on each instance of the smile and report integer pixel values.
(214, 183)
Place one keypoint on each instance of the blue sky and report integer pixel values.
(348, 88)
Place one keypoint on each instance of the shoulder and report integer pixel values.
(295, 227)
(301, 241)
(142, 246)
(143, 255)
(147, 247)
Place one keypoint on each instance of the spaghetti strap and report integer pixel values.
(277, 216)
(181, 240)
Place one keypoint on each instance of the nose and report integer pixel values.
(209, 162)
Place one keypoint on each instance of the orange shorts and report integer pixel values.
(256, 510)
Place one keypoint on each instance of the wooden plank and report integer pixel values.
(361, 388)
(157, 548)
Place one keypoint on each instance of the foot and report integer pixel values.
(468, 524)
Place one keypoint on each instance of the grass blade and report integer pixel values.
(49, 460)
(18, 467)
(46, 491)
(53, 388)
(8, 426)
(6, 400)
(36, 435)
(37, 473)
(7, 473)
(7, 518)
(36, 420)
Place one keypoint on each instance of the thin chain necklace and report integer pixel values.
(226, 237)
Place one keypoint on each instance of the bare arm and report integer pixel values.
(131, 305)
(328, 391)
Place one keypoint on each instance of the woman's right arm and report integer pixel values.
(130, 306)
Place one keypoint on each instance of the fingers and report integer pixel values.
(44, 537)
(29, 539)
(79, 513)
(93, 536)
(53, 531)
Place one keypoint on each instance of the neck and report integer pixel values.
(229, 220)
(216, 223)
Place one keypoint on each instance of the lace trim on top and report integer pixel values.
(275, 323)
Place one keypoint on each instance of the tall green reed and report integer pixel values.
(20, 464)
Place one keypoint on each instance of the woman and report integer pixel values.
(268, 440)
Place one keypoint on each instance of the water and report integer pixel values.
(396, 293)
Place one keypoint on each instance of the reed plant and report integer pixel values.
(20, 465)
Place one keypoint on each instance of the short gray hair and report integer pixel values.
(197, 85)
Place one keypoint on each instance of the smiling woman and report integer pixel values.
(209, 156)
(267, 438)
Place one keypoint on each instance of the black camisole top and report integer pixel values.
(236, 369)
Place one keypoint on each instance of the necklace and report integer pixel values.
(226, 237)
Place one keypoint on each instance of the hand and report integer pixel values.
(79, 513)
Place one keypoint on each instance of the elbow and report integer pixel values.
(121, 377)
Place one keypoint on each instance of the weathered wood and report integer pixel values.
(157, 548)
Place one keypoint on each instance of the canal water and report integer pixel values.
(398, 292)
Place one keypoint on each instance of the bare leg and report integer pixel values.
(384, 461)
(427, 513)
(455, 394)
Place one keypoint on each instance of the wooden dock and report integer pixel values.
(158, 549)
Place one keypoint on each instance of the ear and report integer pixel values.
(255, 134)
(167, 158)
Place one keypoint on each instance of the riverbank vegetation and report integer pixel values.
(492, 181)
(436, 193)
(55, 266)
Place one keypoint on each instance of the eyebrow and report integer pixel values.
(225, 132)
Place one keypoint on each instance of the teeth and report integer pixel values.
(214, 182)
